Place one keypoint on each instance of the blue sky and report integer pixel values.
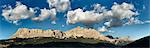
(135, 31)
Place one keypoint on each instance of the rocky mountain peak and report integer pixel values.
(77, 34)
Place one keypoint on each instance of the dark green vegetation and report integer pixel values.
(42, 42)
(37, 42)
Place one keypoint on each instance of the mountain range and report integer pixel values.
(77, 37)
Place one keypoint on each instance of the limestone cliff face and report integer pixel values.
(74, 33)
(85, 33)
(78, 34)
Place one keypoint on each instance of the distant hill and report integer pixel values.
(143, 42)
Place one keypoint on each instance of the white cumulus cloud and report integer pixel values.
(60, 5)
(123, 10)
(115, 15)
(45, 14)
(86, 17)
(99, 8)
(102, 29)
(19, 12)
(136, 21)
(113, 23)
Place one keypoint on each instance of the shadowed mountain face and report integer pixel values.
(143, 42)
(77, 37)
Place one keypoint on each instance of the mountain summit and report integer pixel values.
(26, 36)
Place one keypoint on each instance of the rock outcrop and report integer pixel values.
(78, 34)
